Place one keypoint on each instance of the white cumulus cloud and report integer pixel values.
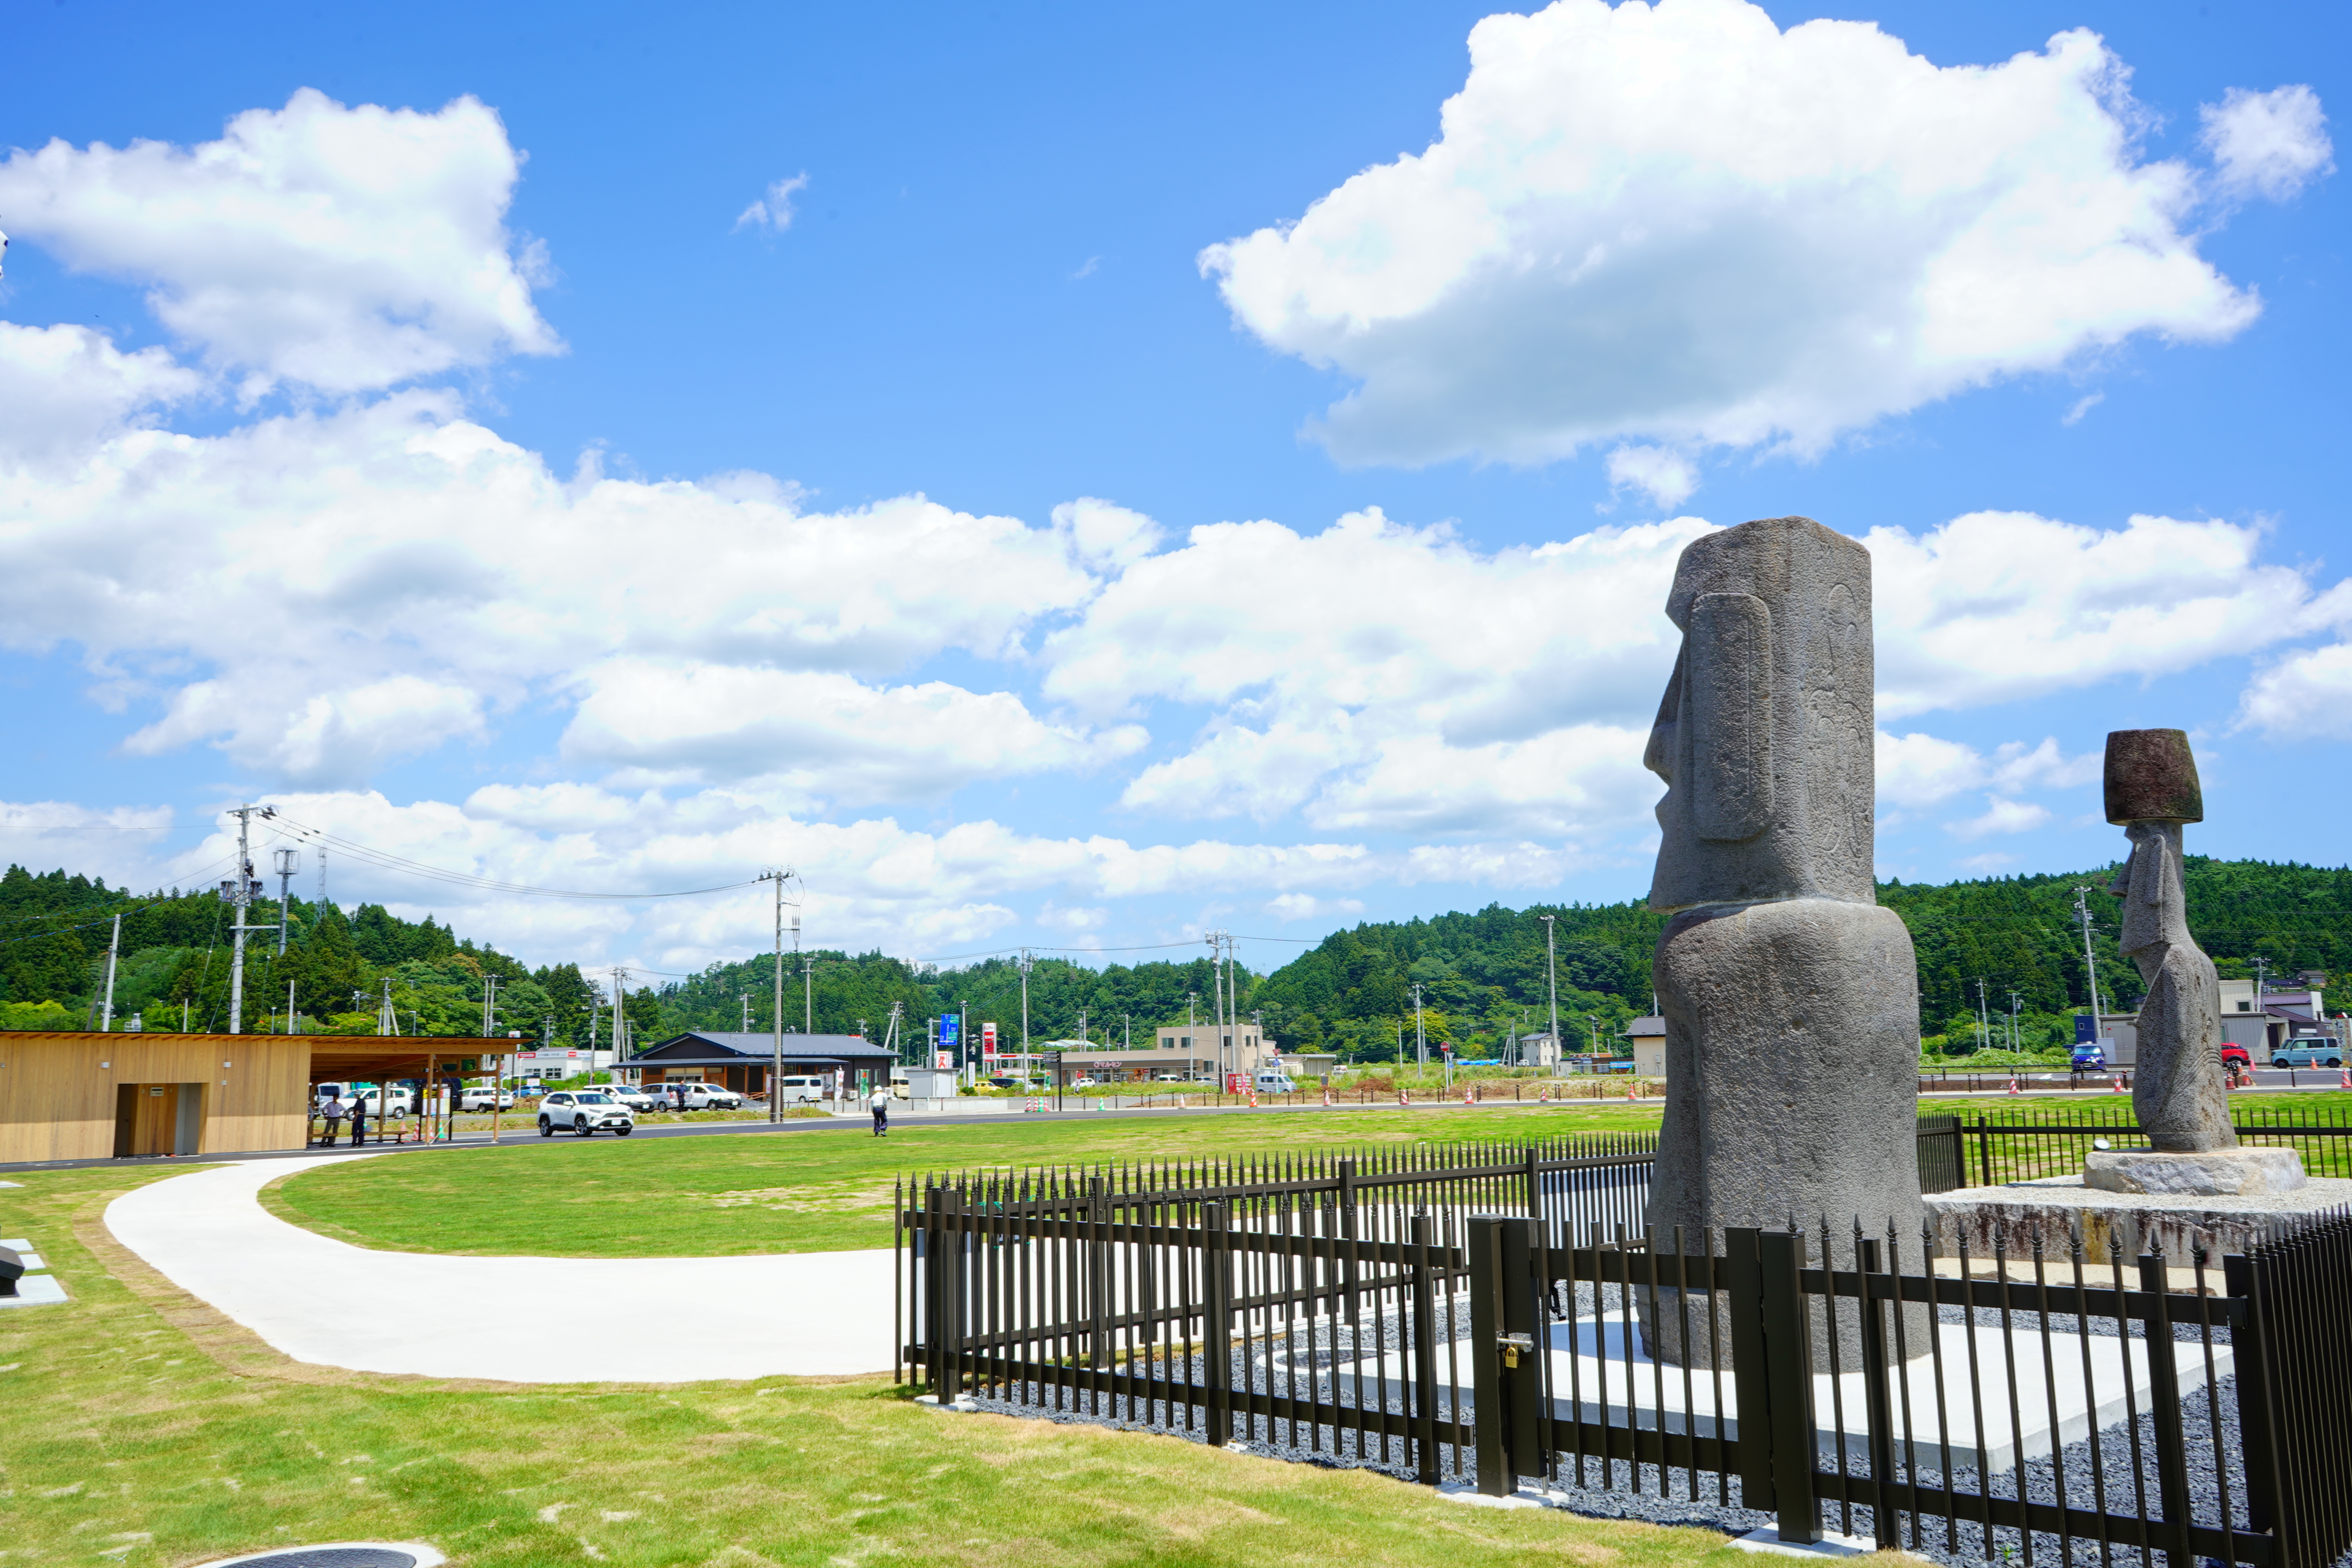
(1995, 606)
(1679, 221)
(346, 248)
(1662, 474)
(2306, 696)
(2268, 145)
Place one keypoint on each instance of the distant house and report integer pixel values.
(742, 1062)
(1648, 1038)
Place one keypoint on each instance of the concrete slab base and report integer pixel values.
(1830, 1545)
(34, 1290)
(960, 1405)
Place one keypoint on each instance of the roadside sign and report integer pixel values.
(1236, 1083)
(988, 1039)
(943, 1060)
(951, 1031)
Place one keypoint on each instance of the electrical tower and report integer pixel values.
(289, 861)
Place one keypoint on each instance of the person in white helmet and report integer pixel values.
(879, 1103)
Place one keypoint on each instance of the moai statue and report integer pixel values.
(2178, 1097)
(1790, 998)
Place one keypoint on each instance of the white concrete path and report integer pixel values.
(519, 1319)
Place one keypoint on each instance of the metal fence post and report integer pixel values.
(1217, 1332)
(1425, 1350)
(1789, 1378)
(2164, 1401)
(944, 1292)
(1877, 1402)
(1508, 1334)
(1743, 1303)
(1485, 1259)
(2250, 1354)
(1097, 1260)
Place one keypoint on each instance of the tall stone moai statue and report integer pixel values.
(1790, 998)
(2179, 1096)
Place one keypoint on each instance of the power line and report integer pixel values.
(386, 860)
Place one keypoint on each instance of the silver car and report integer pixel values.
(583, 1112)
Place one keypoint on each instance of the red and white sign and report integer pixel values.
(943, 1060)
(1236, 1083)
(988, 1039)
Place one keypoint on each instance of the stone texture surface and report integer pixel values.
(2175, 1226)
(1764, 736)
(1791, 999)
(2151, 776)
(2178, 1095)
(2215, 1172)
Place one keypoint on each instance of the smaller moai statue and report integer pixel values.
(2178, 1095)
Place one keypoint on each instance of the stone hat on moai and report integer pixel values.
(1764, 736)
(2152, 777)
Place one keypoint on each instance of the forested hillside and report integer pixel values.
(1481, 976)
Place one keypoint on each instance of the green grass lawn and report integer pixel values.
(138, 1426)
(827, 1190)
(802, 1191)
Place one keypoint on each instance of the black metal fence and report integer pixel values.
(2029, 1145)
(1488, 1315)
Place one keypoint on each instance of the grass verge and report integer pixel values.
(138, 1426)
(802, 1191)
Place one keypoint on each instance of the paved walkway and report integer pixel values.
(519, 1319)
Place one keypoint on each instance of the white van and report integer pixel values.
(1276, 1083)
(805, 1091)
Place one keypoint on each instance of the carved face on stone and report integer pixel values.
(1765, 734)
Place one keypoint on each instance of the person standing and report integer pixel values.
(334, 1112)
(879, 1104)
(359, 1122)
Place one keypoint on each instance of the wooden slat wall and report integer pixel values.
(57, 1099)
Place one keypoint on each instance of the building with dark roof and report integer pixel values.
(742, 1062)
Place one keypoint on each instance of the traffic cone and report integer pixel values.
(2346, 1082)
(1468, 1098)
(1404, 1095)
(1253, 1099)
(2012, 1085)
(2119, 1084)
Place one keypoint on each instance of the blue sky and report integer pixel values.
(836, 438)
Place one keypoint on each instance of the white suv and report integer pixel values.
(583, 1112)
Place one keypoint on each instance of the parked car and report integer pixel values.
(583, 1111)
(2088, 1057)
(1085, 1083)
(637, 1096)
(1168, 1077)
(712, 1097)
(400, 1101)
(485, 1097)
(805, 1091)
(2308, 1051)
(2237, 1057)
(1276, 1083)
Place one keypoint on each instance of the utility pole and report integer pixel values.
(289, 861)
(1420, 1034)
(2089, 962)
(113, 954)
(490, 1010)
(1551, 970)
(1082, 1026)
(1984, 1028)
(620, 1016)
(2015, 1001)
(241, 890)
(776, 1042)
(1127, 1031)
(1024, 1009)
(387, 1016)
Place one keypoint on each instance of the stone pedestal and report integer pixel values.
(2212, 1172)
(2057, 1209)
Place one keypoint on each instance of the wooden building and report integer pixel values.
(76, 1095)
